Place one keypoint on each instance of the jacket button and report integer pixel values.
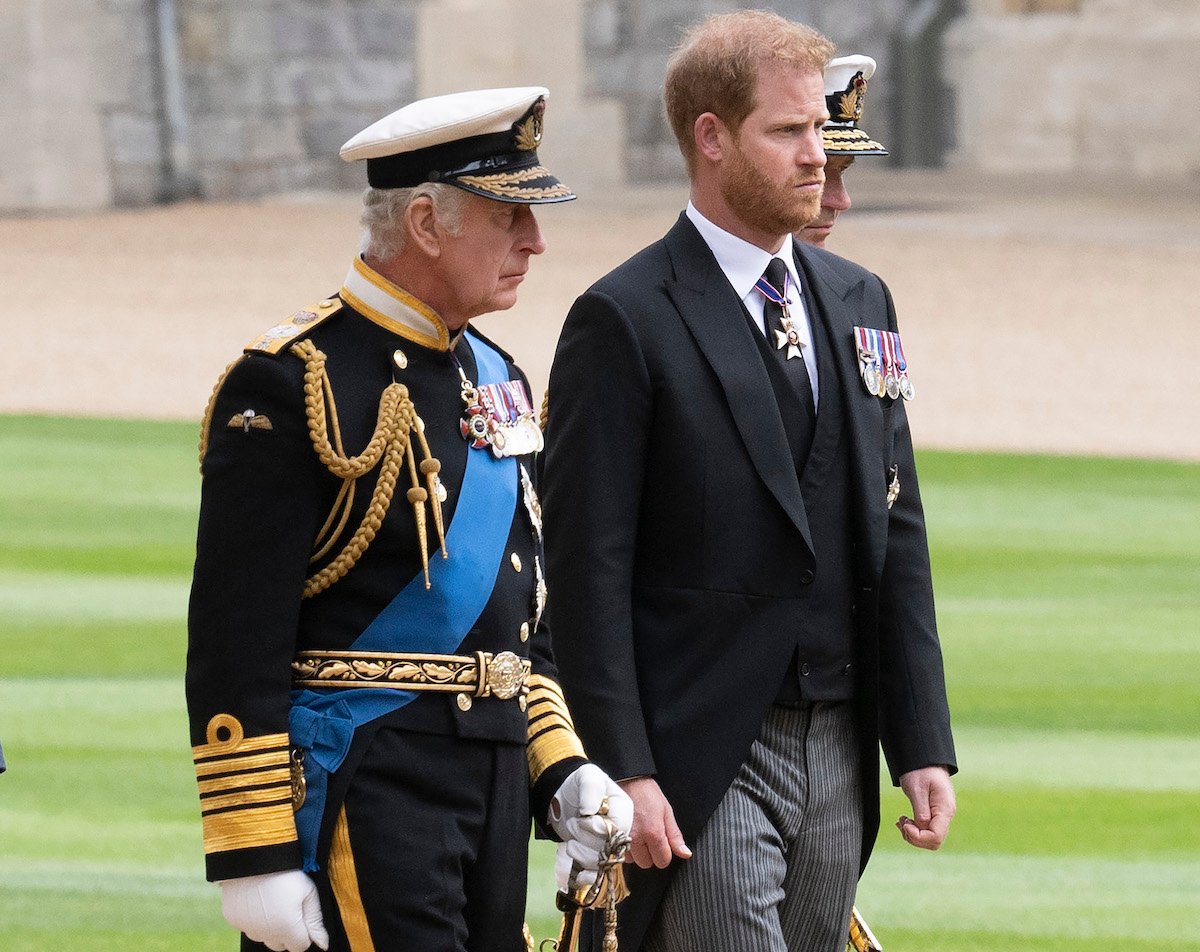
(804, 669)
(846, 670)
(806, 577)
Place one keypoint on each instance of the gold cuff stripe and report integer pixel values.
(539, 707)
(241, 764)
(542, 696)
(539, 682)
(243, 829)
(546, 720)
(282, 776)
(344, 880)
(241, 746)
(549, 748)
(247, 798)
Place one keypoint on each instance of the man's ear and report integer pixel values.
(422, 227)
(711, 136)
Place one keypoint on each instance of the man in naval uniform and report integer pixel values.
(373, 702)
(743, 606)
(844, 140)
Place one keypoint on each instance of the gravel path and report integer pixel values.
(1061, 319)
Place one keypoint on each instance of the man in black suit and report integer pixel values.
(742, 604)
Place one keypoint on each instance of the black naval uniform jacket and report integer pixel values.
(265, 498)
(679, 548)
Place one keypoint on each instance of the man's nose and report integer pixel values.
(812, 150)
(835, 195)
(531, 233)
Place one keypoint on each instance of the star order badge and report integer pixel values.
(786, 336)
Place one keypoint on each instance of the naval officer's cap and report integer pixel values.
(484, 141)
(845, 92)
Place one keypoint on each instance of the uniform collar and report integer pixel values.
(393, 308)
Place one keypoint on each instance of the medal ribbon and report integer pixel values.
(902, 364)
(771, 293)
(889, 354)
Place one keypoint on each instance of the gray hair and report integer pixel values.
(383, 215)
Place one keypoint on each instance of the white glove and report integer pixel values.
(562, 871)
(280, 910)
(574, 815)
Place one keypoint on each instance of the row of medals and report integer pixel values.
(483, 428)
(882, 374)
(482, 425)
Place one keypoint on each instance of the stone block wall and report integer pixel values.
(274, 87)
(271, 88)
(75, 102)
(1104, 90)
(628, 43)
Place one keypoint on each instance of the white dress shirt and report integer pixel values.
(743, 264)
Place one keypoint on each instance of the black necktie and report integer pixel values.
(794, 368)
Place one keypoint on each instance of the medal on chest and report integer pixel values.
(786, 334)
(882, 364)
(499, 416)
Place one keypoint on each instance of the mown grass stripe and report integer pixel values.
(1096, 898)
(1081, 760)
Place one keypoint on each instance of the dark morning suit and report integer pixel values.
(680, 550)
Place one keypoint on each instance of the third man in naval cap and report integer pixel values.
(844, 139)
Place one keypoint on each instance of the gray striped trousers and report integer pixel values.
(775, 868)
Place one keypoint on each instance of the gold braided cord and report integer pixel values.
(390, 443)
(430, 467)
(544, 418)
(327, 392)
(315, 407)
(345, 496)
(326, 538)
(381, 499)
(417, 497)
(209, 408)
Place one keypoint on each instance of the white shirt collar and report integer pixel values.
(741, 262)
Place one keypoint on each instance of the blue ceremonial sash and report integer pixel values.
(434, 620)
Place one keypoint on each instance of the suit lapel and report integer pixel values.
(710, 309)
(838, 305)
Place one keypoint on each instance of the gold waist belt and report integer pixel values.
(482, 674)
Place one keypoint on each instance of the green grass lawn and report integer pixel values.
(1069, 602)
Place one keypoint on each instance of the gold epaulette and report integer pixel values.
(552, 735)
(275, 339)
(247, 788)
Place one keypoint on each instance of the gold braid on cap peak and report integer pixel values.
(392, 443)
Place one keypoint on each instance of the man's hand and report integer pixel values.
(931, 794)
(575, 816)
(280, 910)
(656, 837)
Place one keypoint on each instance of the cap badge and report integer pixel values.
(529, 130)
(851, 104)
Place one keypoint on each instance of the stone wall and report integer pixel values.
(271, 88)
(274, 87)
(1107, 90)
(75, 102)
(629, 41)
